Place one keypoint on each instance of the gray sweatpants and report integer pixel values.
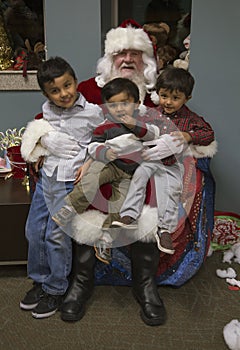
(168, 184)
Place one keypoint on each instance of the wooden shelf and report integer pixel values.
(14, 206)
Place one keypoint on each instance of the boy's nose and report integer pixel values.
(63, 93)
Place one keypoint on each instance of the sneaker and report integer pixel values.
(47, 306)
(64, 215)
(126, 222)
(164, 242)
(102, 252)
(32, 297)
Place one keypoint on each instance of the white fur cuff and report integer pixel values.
(87, 227)
(31, 149)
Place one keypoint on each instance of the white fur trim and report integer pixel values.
(119, 39)
(86, 227)
(154, 97)
(142, 109)
(31, 149)
(203, 151)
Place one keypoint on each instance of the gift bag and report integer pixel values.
(226, 230)
(18, 164)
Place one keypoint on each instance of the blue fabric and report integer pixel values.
(49, 248)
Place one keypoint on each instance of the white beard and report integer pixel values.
(137, 78)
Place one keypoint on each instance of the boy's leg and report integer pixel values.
(57, 241)
(168, 183)
(133, 204)
(84, 192)
(80, 197)
(119, 191)
(58, 248)
(37, 265)
(35, 230)
(48, 265)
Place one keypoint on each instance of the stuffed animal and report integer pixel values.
(159, 34)
(165, 56)
(183, 60)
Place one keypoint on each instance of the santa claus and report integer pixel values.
(129, 53)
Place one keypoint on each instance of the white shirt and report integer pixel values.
(79, 121)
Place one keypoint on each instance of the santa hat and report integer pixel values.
(129, 35)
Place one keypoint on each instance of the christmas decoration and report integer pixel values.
(6, 52)
(11, 137)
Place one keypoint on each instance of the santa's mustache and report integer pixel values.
(128, 66)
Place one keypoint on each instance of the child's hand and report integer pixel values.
(181, 137)
(128, 121)
(82, 170)
(111, 154)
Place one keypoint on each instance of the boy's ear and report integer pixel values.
(189, 97)
(138, 104)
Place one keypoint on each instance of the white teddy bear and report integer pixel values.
(183, 60)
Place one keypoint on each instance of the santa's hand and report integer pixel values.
(161, 148)
(181, 137)
(60, 144)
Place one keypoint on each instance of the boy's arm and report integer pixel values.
(97, 148)
(141, 129)
(200, 131)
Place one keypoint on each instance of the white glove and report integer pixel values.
(161, 148)
(60, 144)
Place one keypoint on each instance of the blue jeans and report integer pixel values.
(49, 247)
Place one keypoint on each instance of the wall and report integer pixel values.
(73, 32)
(215, 53)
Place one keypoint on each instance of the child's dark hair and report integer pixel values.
(118, 85)
(179, 79)
(53, 68)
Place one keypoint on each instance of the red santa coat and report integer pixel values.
(92, 92)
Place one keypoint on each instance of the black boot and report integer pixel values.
(145, 259)
(82, 284)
